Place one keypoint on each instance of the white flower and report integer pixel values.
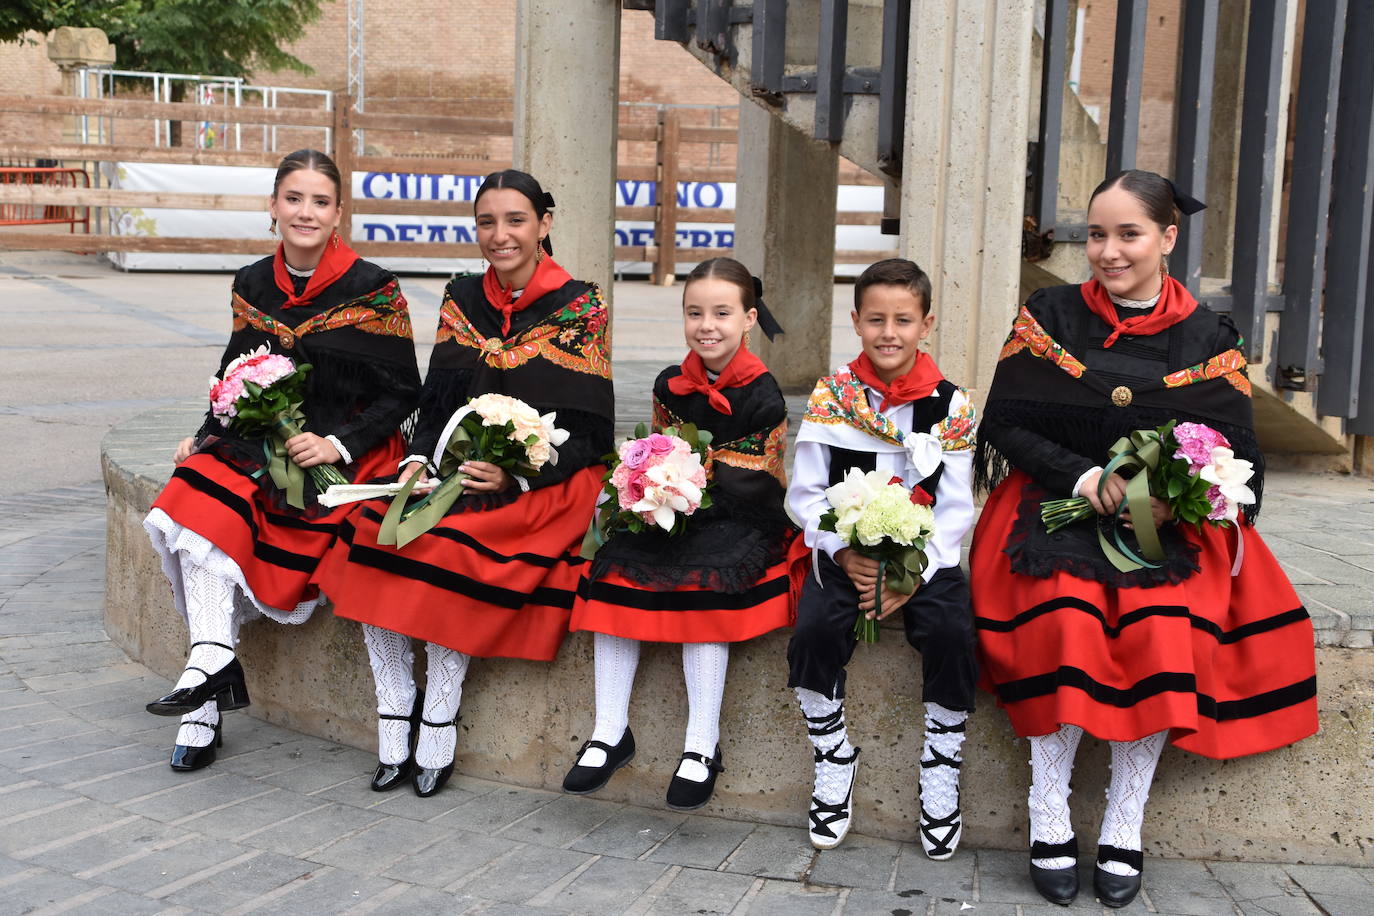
(240, 360)
(1230, 475)
(552, 434)
(848, 498)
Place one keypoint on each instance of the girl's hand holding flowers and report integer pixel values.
(485, 477)
(184, 449)
(308, 450)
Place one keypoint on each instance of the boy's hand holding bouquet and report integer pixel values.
(879, 518)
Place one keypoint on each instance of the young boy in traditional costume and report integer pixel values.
(889, 410)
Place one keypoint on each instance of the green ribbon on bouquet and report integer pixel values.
(403, 524)
(285, 473)
(1142, 451)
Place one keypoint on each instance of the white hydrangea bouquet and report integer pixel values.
(880, 518)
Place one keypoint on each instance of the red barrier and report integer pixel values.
(38, 214)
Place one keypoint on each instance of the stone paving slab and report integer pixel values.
(92, 820)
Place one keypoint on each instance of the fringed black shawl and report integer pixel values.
(1059, 400)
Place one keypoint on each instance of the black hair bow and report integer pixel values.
(767, 323)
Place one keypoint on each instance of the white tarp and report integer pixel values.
(212, 179)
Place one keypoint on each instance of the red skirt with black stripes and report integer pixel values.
(617, 605)
(1225, 663)
(494, 583)
(276, 547)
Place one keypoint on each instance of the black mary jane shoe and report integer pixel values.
(389, 776)
(1057, 885)
(226, 687)
(687, 795)
(429, 780)
(187, 757)
(584, 780)
(1112, 890)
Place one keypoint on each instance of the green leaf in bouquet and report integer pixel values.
(828, 520)
(705, 437)
(641, 429)
(1175, 488)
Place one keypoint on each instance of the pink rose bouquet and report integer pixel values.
(656, 480)
(259, 396)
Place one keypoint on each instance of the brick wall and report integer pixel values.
(1159, 77)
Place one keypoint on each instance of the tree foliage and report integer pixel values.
(210, 37)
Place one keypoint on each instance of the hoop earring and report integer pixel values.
(272, 227)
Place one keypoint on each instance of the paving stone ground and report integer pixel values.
(92, 820)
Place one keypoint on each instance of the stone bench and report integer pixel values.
(523, 721)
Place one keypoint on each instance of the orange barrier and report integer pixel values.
(18, 214)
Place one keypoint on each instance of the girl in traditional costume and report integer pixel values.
(722, 580)
(232, 542)
(496, 575)
(1211, 650)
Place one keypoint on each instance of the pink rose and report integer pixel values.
(635, 453)
(660, 444)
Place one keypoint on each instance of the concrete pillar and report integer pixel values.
(72, 49)
(567, 79)
(785, 191)
(963, 172)
(1219, 219)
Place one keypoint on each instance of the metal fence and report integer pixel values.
(1324, 338)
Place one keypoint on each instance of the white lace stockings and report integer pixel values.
(616, 660)
(393, 663)
(1133, 769)
(826, 716)
(443, 693)
(939, 778)
(703, 668)
(198, 726)
(210, 618)
(1051, 766)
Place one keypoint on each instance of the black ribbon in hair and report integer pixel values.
(548, 201)
(1186, 203)
(767, 323)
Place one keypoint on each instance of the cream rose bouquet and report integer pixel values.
(494, 428)
(880, 518)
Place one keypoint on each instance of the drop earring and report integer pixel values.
(539, 251)
(272, 226)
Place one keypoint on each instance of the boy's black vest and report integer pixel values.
(925, 413)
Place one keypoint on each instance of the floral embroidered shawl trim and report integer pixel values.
(1229, 365)
(956, 431)
(840, 399)
(574, 337)
(761, 450)
(382, 312)
(1027, 334)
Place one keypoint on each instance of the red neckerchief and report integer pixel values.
(1175, 304)
(547, 277)
(334, 263)
(742, 369)
(918, 382)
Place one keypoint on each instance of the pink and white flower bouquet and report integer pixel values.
(876, 515)
(1189, 466)
(656, 480)
(259, 396)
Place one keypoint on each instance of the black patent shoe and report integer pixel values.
(583, 780)
(1057, 885)
(388, 776)
(226, 687)
(1117, 890)
(687, 795)
(429, 780)
(187, 757)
